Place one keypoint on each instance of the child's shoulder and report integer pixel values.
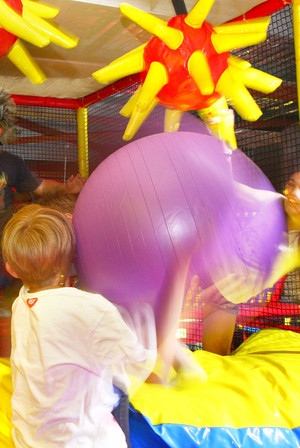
(91, 297)
(71, 290)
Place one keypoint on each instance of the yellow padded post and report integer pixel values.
(82, 134)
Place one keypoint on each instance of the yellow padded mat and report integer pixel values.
(258, 385)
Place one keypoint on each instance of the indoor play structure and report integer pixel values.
(251, 398)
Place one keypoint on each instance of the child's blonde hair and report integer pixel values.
(39, 245)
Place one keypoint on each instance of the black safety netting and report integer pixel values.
(46, 139)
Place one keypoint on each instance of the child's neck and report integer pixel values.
(63, 283)
(33, 290)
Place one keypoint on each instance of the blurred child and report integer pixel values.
(291, 291)
(67, 344)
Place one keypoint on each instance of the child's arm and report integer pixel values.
(127, 352)
(73, 185)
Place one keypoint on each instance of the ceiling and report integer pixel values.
(104, 35)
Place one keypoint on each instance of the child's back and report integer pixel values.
(65, 344)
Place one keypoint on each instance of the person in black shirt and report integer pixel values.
(15, 175)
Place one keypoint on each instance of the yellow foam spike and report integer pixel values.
(127, 109)
(21, 58)
(170, 36)
(238, 96)
(138, 117)
(227, 42)
(128, 64)
(56, 35)
(15, 24)
(198, 14)
(139, 49)
(199, 70)
(256, 79)
(141, 18)
(156, 78)
(220, 120)
(172, 120)
(40, 9)
(238, 62)
(259, 25)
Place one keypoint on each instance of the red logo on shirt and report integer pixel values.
(31, 302)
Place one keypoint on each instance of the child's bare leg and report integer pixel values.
(219, 315)
(218, 329)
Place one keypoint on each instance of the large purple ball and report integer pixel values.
(170, 199)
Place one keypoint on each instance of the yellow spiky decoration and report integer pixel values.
(28, 21)
(213, 78)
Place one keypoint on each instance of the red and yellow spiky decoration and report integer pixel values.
(26, 19)
(187, 66)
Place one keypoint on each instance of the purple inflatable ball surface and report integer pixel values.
(172, 204)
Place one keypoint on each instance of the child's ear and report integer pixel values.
(10, 270)
(69, 216)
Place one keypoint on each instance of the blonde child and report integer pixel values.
(67, 344)
(65, 202)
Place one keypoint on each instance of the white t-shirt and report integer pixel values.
(67, 346)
